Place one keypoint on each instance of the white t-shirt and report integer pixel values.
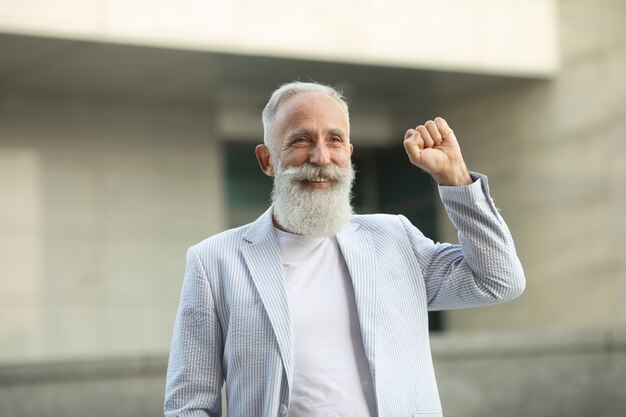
(331, 374)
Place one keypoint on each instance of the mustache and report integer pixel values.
(309, 172)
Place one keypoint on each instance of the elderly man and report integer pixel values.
(314, 311)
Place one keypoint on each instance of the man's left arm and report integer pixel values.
(484, 268)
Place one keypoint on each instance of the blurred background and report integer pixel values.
(127, 131)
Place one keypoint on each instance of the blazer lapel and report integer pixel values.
(262, 256)
(358, 252)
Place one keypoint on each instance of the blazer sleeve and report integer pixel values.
(484, 268)
(194, 372)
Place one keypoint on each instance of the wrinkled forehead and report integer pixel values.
(313, 109)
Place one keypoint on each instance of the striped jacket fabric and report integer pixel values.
(233, 324)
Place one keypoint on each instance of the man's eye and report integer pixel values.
(336, 139)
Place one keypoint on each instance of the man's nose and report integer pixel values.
(320, 154)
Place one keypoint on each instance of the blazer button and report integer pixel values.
(282, 409)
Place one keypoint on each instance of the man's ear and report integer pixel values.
(265, 161)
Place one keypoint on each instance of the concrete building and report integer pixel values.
(126, 135)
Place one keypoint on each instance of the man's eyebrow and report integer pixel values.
(337, 131)
(299, 132)
(307, 132)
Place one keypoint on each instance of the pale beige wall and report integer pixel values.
(525, 374)
(99, 202)
(555, 152)
(487, 36)
(100, 199)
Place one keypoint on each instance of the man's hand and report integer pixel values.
(434, 148)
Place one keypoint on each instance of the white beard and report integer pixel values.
(312, 211)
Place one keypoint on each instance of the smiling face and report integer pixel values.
(309, 127)
(310, 162)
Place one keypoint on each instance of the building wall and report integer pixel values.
(539, 374)
(485, 375)
(555, 152)
(100, 200)
(487, 36)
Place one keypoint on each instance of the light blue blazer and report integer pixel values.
(234, 324)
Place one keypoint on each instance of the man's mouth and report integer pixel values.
(318, 182)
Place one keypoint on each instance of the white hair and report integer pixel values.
(290, 90)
